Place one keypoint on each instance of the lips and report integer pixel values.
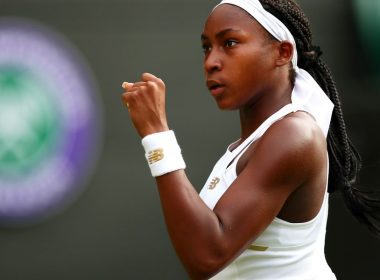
(215, 87)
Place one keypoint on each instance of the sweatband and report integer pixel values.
(163, 153)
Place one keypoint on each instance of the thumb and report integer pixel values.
(147, 77)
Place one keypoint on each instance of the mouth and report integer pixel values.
(215, 87)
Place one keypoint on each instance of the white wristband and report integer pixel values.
(162, 153)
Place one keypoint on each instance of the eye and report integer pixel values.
(230, 43)
(206, 48)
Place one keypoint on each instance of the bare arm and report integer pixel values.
(205, 240)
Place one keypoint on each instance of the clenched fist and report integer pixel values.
(146, 104)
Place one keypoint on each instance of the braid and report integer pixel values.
(344, 159)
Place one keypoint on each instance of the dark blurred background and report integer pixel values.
(115, 229)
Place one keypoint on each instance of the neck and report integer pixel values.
(253, 115)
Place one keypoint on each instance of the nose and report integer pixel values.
(212, 62)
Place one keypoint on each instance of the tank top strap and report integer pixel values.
(216, 183)
(287, 109)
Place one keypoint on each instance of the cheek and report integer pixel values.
(248, 75)
(252, 83)
(255, 71)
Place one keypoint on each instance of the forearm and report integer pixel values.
(195, 231)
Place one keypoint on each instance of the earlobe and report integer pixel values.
(285, 53)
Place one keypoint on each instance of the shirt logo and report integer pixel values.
(213, 183)
(155, 155)
(257, 248)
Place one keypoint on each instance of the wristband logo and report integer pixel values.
(50, 122)
(155, 155)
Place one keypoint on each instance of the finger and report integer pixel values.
(124, 99)
(139, 84)
(147, 77)
(133, 87)
(126, 104)
(127, 86)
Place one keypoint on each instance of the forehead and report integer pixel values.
(231, 16)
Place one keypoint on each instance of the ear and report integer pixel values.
(285, 53)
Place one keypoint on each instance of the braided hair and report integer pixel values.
(344, 159)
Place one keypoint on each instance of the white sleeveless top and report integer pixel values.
(293, 251)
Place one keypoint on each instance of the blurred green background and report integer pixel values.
(115, 230)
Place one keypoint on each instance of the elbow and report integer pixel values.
(204, 267)
(202, 272)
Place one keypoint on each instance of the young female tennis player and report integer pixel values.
(262, 212)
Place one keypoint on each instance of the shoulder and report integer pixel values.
(291, 149)
(293, 132)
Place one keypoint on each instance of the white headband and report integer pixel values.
(307, 95)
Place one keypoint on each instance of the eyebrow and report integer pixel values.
(221, 33)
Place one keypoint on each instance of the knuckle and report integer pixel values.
(135, 95)
(151, 85)
(144, 76)
(128, 97)
(125, 96)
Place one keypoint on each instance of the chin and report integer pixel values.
(224, 106)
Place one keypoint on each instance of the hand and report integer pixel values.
(146, 104)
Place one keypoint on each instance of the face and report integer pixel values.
(239, 61)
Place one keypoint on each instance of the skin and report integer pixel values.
(283, 174)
